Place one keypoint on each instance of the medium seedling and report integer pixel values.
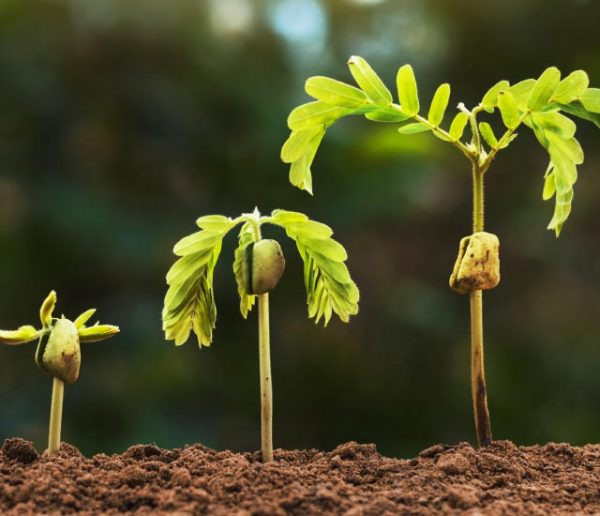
(59, 353)
(258, 265)
(538, 104)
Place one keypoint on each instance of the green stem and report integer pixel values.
(264, 357)
(58, 389)
(266, 387)
(483, 425)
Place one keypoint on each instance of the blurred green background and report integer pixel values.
(122, 121)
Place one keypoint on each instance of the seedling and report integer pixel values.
(258, 265)
(58, 353)
(538, 104)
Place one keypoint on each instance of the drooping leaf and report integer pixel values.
(544, 88)
(488, 134)
(577, 109)
(407, 90)
(490, 99)
(335, 92)
(457, 127)
(300, 143)
(555, 122)
(189, 304)
(590, 99)
(246, 300)
(313, 114)
(508, 110)
(300, 173)
(549, 187)
(22, 335)
(439, 104)
(369, 81)
(329, 287)
(571, 87)
(413, 128)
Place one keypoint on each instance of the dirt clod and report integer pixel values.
(353, 479)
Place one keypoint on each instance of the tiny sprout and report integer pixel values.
(258, 266)
(59, 353)
(545, 105)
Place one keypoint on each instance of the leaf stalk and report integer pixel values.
(56, 406)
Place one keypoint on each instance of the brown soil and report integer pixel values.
(353, 479)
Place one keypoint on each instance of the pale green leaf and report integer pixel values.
(300, 143)
(84, 317)
(417, 127)
(369, 81)
(310, 229)
(439, 104)
(300, 173)
(335, 92)
(283, 217)
(544, 88)
(196, 242)
(387, 115)
(549, 187)
(217, 223)
(22, 335)
(246, 300)
(555, 122)
(577, 109)
(508, 110)
(97, 332)
(488, 134)
(313, 114)
(490, 99)
(47, 309)
(571, 87)
(407, 90)
(457, 127)
(521, 92)
(590, 99)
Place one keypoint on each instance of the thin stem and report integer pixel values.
(266, 387)
(58, 389)
(483, 425)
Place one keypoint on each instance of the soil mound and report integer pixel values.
(353, 479)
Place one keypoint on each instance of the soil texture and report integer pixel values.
(353, 479)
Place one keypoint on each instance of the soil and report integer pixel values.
(353, 479)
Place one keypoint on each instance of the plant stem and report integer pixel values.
(483, 426)
(266, 388)
(58, 389)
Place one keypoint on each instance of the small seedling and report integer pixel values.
(258, 265)
(538, 104)
(58, 353)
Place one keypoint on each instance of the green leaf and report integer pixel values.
(549, 187)
(508, 110)
(22, 335)
(521, 92)
(457, 127)
(555, 122)
(407, 90)
(300, 173)
(47, 309)
(577, 109)
(490, 99)
(488, 134)
(590, 99)
(387, 115)
(329, 287)
(84, 317)
(300, 143)
(544, 88)
(313, 114)
(283, 217)
(246, 300)
(369, 81)
(335, 92)
(189, 304)
(439, 104)
(413, 128)
(571, 87)
(214, 223)
(97, 332)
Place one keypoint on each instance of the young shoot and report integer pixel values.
(258, 266)
(540, 105)
(59, 353)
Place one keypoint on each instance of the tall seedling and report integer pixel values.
(537, 104)
(258, 265)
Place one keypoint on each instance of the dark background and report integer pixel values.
(122, 121)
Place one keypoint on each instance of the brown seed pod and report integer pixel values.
(59, 353)
(263, 266)
(477, 266)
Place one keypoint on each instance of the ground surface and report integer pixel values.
(352, 479)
